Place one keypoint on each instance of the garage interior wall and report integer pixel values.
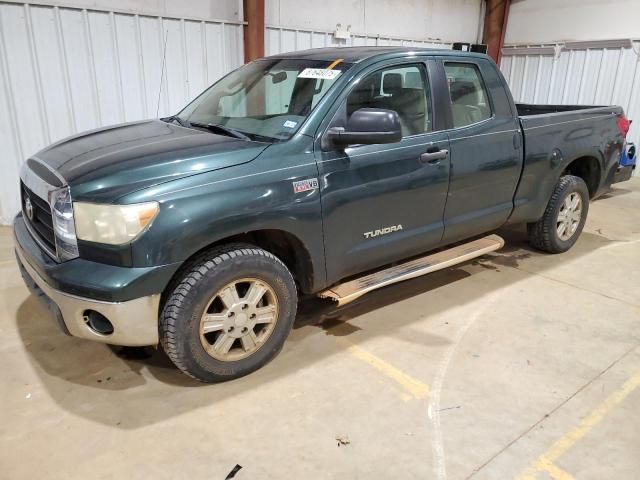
(549, 21)
(294, 25)
(282, 39)
(75, 65)
(67, 69)
(549, 57)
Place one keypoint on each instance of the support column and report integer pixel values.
(495, 26)
(254, 30)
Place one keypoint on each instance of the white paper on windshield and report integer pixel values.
(322, 73)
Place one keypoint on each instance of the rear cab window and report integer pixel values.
(469, 99)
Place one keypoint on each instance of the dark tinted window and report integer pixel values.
(469, 99)
(403, 89)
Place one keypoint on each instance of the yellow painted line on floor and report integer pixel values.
(556, 473)
(546, 461)
(415, 388)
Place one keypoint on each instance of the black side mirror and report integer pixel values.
(367, 126)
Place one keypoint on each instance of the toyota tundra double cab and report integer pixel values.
(329, 172)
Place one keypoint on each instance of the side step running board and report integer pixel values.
(353, 289)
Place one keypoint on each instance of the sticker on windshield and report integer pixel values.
(290, 124)
(323, 73)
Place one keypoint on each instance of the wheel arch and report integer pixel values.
(539, 179)
(281, 243)
(588, 168)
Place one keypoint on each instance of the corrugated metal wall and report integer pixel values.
(556, 74)
(285, 39)
(65, 70)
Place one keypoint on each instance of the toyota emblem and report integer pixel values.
(28, 208)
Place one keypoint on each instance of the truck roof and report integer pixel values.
(358, 54)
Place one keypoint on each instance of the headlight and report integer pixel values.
(112, 224)
(63, 226)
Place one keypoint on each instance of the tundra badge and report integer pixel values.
(383, 231)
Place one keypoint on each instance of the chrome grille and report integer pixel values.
(38, 217)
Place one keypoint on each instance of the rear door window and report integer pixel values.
(469, 99)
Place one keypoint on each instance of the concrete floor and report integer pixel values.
(518, 365)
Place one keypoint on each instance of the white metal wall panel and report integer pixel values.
(281, 40)
(589, 76)
(65, 70)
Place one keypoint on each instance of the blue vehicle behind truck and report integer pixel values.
(327, 172)
(627, 165)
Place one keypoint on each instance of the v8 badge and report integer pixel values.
(305, 185)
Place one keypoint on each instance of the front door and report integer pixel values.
(383, 203)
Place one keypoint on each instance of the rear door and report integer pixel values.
(383, 203)
(485, 149)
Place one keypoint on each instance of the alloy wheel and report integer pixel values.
(239, 319)
(569, 216)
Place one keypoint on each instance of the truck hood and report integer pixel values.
(105, 164)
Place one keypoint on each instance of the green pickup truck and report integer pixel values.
(327, 172)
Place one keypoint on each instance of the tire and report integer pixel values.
(196, 344)
(545, 234)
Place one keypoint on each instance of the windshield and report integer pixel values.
(266, 100)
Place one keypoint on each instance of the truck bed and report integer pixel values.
(554, 135)
(526, 109)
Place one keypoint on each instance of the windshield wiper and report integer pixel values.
(214, 127)
(177, 119)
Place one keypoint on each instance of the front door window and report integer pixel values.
(403, 89)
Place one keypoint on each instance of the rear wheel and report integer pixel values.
(564, 217)
(229, 314)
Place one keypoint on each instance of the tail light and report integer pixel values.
(623, 125)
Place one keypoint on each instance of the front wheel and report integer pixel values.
(229, 314)
(564, 217)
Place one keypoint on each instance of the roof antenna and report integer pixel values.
(164, 56)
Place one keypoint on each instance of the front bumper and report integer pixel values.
(135, 320)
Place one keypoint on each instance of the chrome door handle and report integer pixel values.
(434, 157)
